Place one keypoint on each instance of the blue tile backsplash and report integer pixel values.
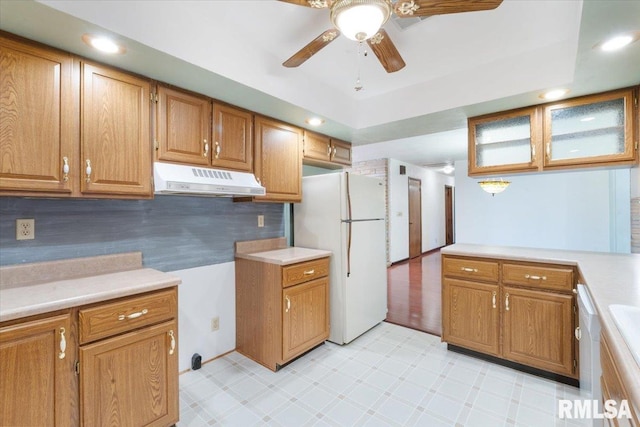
(172, 232)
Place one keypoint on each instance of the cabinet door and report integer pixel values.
(504, 142)
(36, 383)
(115, 143)
(593, 129)
(131, 379)
(340, 152)
(306, 317)
(538, 329)
(232, 138)
(183, 127)
(470, 315)
(37, 126)
(316, 147)
(278, 160)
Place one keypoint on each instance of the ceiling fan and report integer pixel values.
(362, 20)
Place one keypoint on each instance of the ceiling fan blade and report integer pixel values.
(312, 48)
(407, 9)
(317, 4)
(386, 51)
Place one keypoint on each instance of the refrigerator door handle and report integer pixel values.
(349, 227)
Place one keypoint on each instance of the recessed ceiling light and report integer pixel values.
(618, 42)
(103, 44)
(448, 169)
(314, 121)
(554, 94)
(587, 119)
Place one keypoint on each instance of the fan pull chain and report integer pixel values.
(358, 87)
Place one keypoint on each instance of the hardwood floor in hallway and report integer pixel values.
(414, 293)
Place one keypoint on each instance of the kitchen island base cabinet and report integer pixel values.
(521, 312)
(37, 380)
(472, 315)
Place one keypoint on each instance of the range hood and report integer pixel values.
(180, 179)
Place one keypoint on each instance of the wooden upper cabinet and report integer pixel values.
(504, 142)
(316, 147)
(38, 130)
(593, 130)
(320, 150)
(183, 127)
(340, 152)
(278, 160)
(115, 141)
(590, 130)
(232, 138)
(38, 379)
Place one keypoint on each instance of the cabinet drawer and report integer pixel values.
(470, 269)
(538, 276)
(124, 315)
(304, 271)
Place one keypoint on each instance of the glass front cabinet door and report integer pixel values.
(589, 130)
(504, 142)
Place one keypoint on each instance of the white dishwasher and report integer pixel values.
(589, 336)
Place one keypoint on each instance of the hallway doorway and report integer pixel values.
(415, 218)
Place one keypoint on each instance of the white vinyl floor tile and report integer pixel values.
(390, 376)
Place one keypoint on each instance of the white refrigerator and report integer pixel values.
(345, 214)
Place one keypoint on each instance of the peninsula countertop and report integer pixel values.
(610, 278)
(30, 289)
(285, 256)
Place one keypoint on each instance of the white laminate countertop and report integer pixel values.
(285, 256)
(610, 279)
(53, 292)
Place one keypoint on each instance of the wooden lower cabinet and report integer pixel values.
(37, 380)
(305, 321)
(529, 321)
(613, 388)
(279, 317)
(538, 329)
(472, 315)
(131, 379)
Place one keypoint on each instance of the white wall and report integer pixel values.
(576, 210)
(433, 220)
(206, 292)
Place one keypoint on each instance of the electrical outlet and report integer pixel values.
(215, 323)
(25, 229)
(260, 220)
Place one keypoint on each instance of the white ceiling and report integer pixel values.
(457, 65)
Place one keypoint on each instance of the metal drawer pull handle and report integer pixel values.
(493, 299)
(88, 171)
(528, 276)
(309, 272)
(506, 303)
(65, 169)
(63, 344)
(172, 346)
(469, 270)
(133, 315)
(288, 304)
(328, 149)
(578, 333)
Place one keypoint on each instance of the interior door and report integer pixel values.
(448, 214)
(415, 218)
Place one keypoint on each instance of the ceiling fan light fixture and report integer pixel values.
(360, 20)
